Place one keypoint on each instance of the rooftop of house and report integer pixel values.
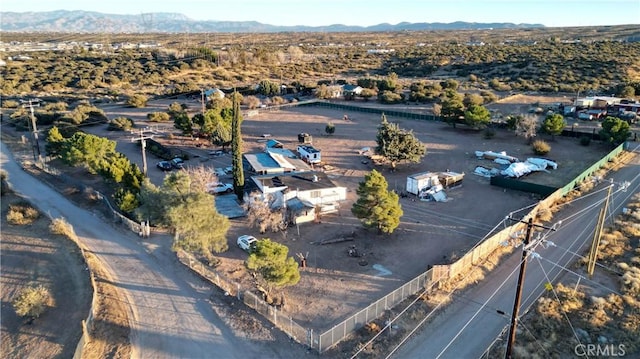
(265, 161)
(302, 181)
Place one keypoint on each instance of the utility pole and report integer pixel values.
(35, 145)
(593, 253)
(523, 267)
(202, 101)
(143, 144)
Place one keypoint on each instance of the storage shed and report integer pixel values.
(420, 181)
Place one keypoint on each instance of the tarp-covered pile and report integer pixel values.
(519, 169)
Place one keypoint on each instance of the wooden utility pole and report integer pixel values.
(523, 267)
(593, 253)
(35, 145)
(143, 144)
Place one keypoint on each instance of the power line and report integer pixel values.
(523, 266)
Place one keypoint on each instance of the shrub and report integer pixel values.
(158, 117)
(540, 147)
(22, 213)
(585, 140)
(62, 227)
(330, 129)
(137, 101)
(126, 200)
(32, 301)
(120, 124)
(489, 133)
(10, 104)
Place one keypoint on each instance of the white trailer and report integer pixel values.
(420, 181)
(309, 154)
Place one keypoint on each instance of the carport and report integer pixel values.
(228, 205)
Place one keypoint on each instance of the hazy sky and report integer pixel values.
(362, 12)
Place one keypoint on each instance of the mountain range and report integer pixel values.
(79, 21)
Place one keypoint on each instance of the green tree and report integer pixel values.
(452, 107)
(268, 88)
(55, 141)
(236, 147)
(87, 149)
(376, 206)
(477, 116)
(271, 261)
(192, 213)
(554, 124)
(330, 128)
(221, 132)
(614, 130)
(397, 144)
(182, 122)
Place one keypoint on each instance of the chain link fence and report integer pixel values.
(333, 336)
(297, 332)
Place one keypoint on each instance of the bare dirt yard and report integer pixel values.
(336, 285)
(32, 255)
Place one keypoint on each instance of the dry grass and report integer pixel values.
(596, 314)
(62, 227)
(22, 213)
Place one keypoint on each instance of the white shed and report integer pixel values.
(420, 181)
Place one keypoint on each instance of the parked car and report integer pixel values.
(229, 169)
(177, 163)
(216, 153)
(165, 165)
(247, 243)
(217, 188)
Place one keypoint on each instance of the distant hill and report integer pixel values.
(92, 22)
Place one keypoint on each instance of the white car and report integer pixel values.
(217, 188)
(247, 242)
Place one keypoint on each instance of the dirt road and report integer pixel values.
(170, 312)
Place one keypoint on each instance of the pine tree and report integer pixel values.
(270, 260)
(397, 144)
(554, 124)
(376, 206)
(236, 146)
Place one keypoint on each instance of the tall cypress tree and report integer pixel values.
(236, 147)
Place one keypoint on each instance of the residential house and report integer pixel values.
(273, 161)
(311, 189)
(351, 91)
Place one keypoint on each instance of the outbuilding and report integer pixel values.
(420, 181)
(309, 154)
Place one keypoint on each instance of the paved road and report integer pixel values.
(475, 319)
(170, 315)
